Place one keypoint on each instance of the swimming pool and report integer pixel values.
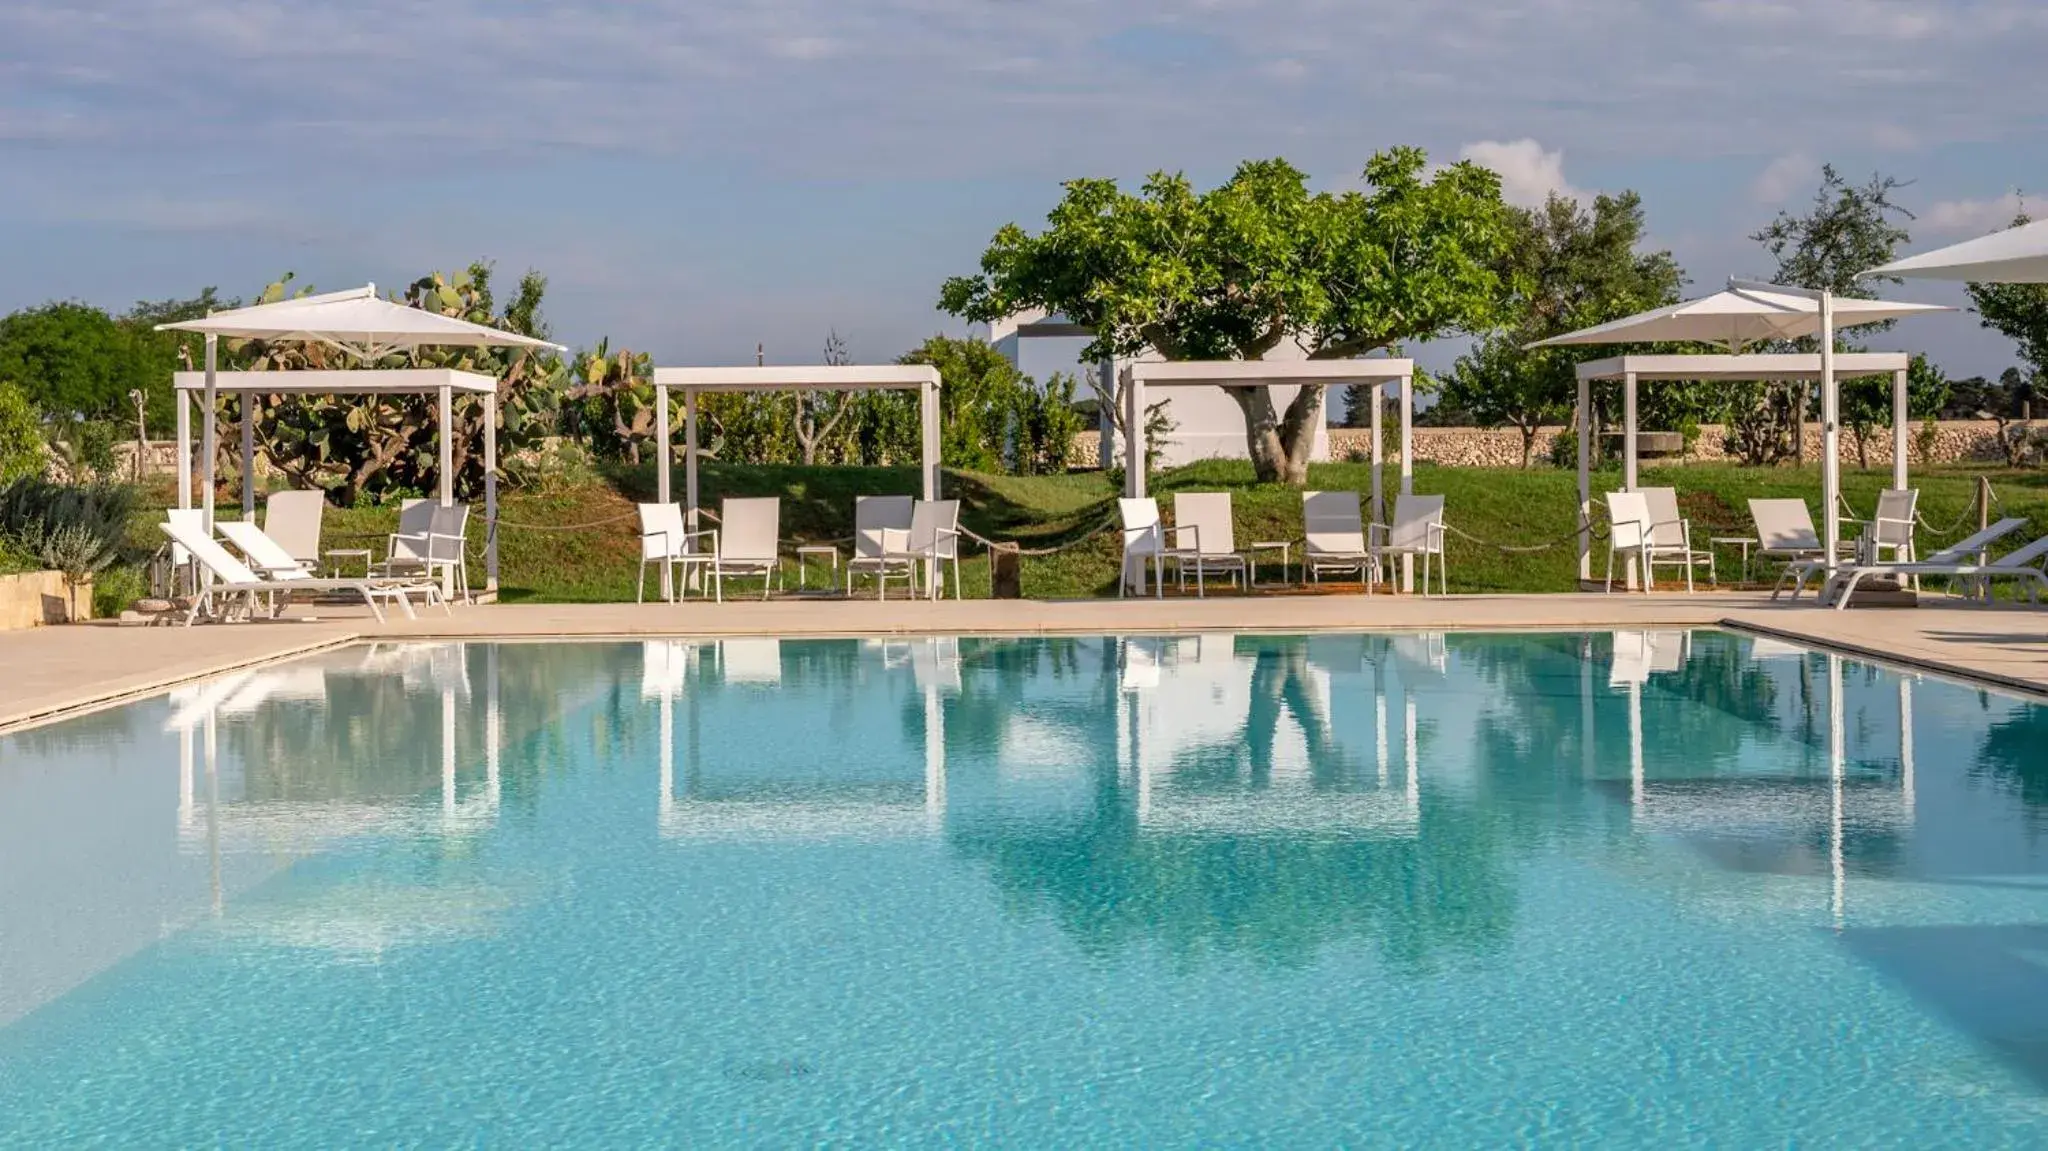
(1613, 889)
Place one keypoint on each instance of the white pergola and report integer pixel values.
(1828, 369)
(1139, 376)
(692, 382)
(366, 327)
(443, 383)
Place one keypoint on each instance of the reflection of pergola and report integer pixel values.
(1147, 707)
(1631, 370)
(675, 668)
(1139, 376)
(692, 382)
(442, 383)
(1722, 806)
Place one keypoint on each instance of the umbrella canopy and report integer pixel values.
(2014, 256)
(1737, 318)
(357, 321)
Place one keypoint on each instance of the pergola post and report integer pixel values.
(184, 448)
(1379, 501)
(1585, 430)
(211, 433)
(1628, 419)
(690, 457)
(445, 422)
(491, 514)
(1407, 468)
(248, 414)
(1134, 435)
(664, 460)
(928, 419)
(1831, 435)
(1899, 428)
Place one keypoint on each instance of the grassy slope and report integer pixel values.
(1503, 506)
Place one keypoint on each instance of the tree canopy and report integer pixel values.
(1575, 268)
(1232, 272)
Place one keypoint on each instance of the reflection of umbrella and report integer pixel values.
(2014, 256)
(1737, 318)
(363, 919)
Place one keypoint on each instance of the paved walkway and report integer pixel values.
(48, 670)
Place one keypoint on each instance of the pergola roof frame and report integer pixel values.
(1829, 370)
(443, 383)
(1380, 371)
(692, 382)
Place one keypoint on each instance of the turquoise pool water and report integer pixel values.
(1619, 889)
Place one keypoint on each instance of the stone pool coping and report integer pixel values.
(56, 672)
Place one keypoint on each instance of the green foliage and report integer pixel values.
(978, 391)
(1046, 426)
(76, 362)
(1575, 268)
(2019, 312)
(21, 435)
(613, 397)
(116, 589)
(73, 529)
(378, 446)
(1232, 272)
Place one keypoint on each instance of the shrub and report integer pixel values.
(117, 589)
(21, 436)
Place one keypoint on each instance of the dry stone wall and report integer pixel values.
(1953, 441)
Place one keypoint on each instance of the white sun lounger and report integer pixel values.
(873, 518)
(1205, 535)
(2029, 564)
(1333, 537)
(1956, 553)
(236, 578)
(278, 566)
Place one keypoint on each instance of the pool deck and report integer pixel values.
(50, 671)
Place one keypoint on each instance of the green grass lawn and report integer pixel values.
(1501, 506)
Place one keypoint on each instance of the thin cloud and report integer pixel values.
(1784, 178)
(1974, 217)
(1529, 173)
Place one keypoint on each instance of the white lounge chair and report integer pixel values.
(1628, 534)
(746, 543)
(1418, 530)
(265, 555)
(872, 515)
(430, 538)
(1960, 552)
(665, 543)
(293, 520)
(933, 537)
(1333, 537)
(235, 578)
(1964, 563)
(1205, 535)
(1670, 537)
(1785, 531)
(1144, 539)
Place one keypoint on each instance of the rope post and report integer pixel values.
(1005, 571)
(1983, 503)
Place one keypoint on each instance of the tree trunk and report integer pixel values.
(1280, 444)
(1528, 443)
(1799, 425)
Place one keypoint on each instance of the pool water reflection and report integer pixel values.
(1421, 889)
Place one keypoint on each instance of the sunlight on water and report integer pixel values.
(1633, 888)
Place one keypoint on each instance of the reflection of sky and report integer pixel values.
(558, 918)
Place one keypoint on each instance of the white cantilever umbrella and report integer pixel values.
(1737, 318)
(358, 322)
(2014, 256)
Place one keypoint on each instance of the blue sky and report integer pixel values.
(696, 178)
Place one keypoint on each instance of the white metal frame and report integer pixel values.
(693, 382)
(1137, 377)
(1828, 367)
(443, 383)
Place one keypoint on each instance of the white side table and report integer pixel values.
(1251, 559)
(1746, 543)
(336, 555)
(803, 558)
